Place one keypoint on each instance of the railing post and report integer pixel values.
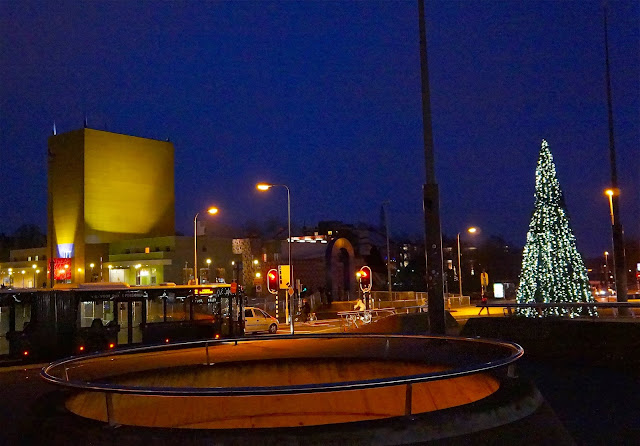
(408, 401)
(207, 349)
(109, 401)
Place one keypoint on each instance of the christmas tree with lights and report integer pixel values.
(552, 268)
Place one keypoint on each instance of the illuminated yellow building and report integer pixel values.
(103, 188)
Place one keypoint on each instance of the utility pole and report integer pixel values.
(617, 233)
(431, 197)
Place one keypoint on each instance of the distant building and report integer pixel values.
(105, 188)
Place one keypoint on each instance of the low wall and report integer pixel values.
(585, 341)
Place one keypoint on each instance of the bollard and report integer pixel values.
(511, 371)
(207, 349)
(66, 373)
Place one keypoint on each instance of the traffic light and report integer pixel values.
(364, 277)
(272, 281)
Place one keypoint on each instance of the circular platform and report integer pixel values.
(276, 382)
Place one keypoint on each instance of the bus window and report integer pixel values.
(23, 315)
(155, 309)
(177, 308)
(205, 310)
(90, 310)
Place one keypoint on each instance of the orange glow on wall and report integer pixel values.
(61, 269)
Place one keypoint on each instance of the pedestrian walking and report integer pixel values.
(484, 302)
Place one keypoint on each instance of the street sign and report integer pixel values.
(290, 291)
(234, 287)
(284, 274)
(258, 288)
(484, 279)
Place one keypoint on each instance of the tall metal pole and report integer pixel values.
(291, 300)
(617, 233)
(459, 266)
(431, 197)
(386, 226)
(195, 247)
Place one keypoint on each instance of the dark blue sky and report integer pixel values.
(325, 97)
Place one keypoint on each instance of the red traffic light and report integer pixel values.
(364, 275)
(272, 281)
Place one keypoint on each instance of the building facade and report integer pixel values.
(104, 188)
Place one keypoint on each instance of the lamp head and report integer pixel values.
(472, 230)
(263, 186)
(212, 210)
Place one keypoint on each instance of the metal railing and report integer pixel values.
(480, 355)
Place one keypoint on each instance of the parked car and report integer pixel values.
(256, 319)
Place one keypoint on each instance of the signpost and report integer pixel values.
(484, 281)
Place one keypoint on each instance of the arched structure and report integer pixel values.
(340, 269)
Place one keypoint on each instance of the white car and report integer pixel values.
(256, 320)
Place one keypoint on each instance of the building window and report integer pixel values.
(147, 250)
(29, 259)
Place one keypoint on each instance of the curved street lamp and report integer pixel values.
(211, 211)
(265, 187)
(471, 230)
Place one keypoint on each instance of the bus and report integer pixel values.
(83, 318)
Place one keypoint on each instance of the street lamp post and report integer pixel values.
(91, 265)
(265, 187)
(35, 275)
(212, 210)
(471, 230)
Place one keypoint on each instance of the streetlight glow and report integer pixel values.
(211, 211)
(265, 187)
(472, 230)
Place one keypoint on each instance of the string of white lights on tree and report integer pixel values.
(552, 268)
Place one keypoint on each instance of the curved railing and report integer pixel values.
(465, 356)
